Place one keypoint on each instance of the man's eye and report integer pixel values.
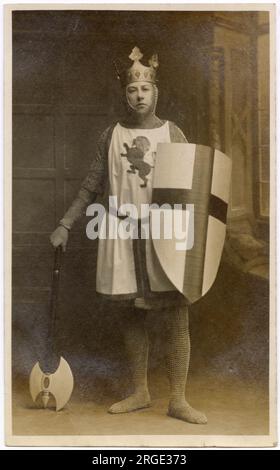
(131, 90)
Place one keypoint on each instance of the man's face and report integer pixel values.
(141, 97)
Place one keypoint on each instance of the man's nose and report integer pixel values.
(140, 95)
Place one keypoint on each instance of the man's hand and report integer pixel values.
(59, 237)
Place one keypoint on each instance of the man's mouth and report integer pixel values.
(140, 105)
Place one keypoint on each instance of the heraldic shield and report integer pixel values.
(191, 188)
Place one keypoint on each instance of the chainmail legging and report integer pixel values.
(177, 348)
(137, 347)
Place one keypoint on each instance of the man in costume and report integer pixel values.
(128, 268)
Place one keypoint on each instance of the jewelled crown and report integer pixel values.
(138, 72)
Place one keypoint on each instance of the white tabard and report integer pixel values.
(129, 268)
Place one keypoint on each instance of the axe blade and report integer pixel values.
(35, 381)
(60, 383)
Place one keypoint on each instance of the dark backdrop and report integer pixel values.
(64, 94)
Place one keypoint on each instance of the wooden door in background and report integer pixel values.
(55, 128)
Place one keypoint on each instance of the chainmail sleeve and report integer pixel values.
(94, 183)
(176, 135)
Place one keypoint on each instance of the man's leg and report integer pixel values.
(177, 360)
(137, 347)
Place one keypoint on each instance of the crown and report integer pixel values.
(138, 72)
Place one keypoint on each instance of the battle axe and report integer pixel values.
(55, 381)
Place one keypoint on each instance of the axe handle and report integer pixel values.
(57, 258)
(54, 297)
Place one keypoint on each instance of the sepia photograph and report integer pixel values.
(140, 225)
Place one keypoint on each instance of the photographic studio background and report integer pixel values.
(214, 83)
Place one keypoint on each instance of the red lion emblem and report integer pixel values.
(135, 156)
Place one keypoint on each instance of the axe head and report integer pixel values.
(59, 384)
